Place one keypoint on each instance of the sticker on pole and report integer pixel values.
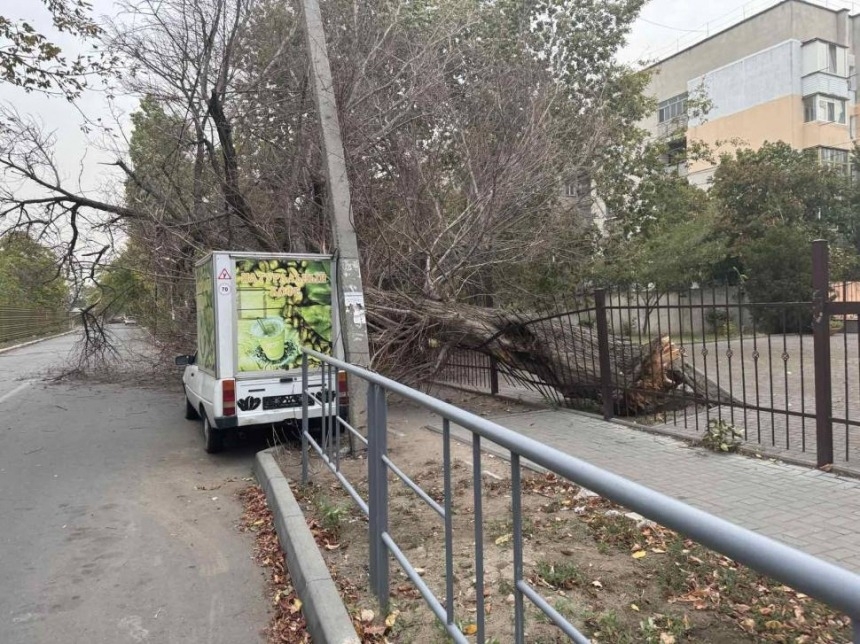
(224, 275)
(354, 303)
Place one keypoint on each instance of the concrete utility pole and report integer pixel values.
(353, 325)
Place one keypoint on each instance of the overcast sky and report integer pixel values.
(664, 27)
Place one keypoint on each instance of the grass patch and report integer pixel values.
(503, 527)
(332, 515)
(607, 626)
(561, 576)
(615, 529)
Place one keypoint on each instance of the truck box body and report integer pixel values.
(255, 312)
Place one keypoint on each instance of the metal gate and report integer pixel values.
(833, 403)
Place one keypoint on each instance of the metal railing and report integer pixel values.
(830, 584)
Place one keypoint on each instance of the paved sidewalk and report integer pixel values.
(805, 508)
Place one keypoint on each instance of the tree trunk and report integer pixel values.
(644, 378)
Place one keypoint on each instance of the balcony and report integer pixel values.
(672, 127)
(824, 83)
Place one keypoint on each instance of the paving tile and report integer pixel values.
(809, 509)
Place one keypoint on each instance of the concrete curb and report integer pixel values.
(327, 619)
(36, 341)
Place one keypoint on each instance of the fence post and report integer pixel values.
(305, 420)
(821, 352)
(603, 353)
(494, 376)
(377, 500)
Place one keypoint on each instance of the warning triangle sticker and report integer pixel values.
(224, 275)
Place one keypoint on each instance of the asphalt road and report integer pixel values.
(115, 526)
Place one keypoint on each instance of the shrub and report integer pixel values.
(719, 322)
(722, 436)
(778, 266)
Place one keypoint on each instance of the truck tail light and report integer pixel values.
(342, 388)
(228, 397)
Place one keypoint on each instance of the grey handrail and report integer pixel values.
(826, 582)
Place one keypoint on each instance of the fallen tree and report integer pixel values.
(643, 378)
(464, 125)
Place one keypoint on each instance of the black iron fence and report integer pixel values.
(780, 374)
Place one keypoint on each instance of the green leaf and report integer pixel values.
(320, 293)
(318, 317)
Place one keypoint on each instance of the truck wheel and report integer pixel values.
(190, 412)
(213, 438)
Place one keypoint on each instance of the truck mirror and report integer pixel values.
(181, 361)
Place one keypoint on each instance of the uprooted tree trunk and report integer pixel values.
(643, 378)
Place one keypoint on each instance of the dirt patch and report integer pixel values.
(616, 579)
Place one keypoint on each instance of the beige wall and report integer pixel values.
(778, 120)
(828, 135)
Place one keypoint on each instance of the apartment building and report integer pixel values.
(785, 74)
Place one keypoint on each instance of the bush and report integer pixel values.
(722, 436)
(778, 267)
(719, 322)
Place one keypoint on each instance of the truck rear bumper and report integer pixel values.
(268, 418)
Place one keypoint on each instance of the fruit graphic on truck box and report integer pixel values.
(282, 306)
(204, 292)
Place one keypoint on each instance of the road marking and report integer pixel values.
(16, 390)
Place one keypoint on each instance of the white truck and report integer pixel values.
(255, 312)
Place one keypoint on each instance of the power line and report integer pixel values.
(657, 24)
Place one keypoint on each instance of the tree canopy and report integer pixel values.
(30, 60)
(463, 121)
(30, 274)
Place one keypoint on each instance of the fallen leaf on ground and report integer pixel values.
(638, 554)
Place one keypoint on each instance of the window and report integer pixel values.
(827, 58)
(672, 108)
(824, 108)
(835, 158)
(852, 127)
(828, 110)
(808, 109)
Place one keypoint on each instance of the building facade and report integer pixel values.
(785, 74)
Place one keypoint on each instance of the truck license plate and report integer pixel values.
(280, 402)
